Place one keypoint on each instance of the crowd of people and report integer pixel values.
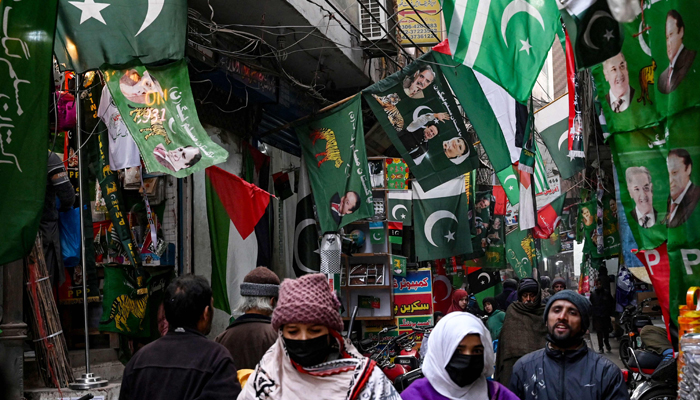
(288, 344)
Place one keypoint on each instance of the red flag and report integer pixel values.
(571, 85)
(442, 288)
(548, 218)
(500, 195)
(659, 270)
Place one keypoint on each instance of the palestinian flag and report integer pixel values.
(234, 208)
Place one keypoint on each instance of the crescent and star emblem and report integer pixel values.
(396, 208)
(564, 136)
(90, 9)
(297, 232)
(487, 276)
(374, 236)
(448, 285)
(434, 218)
(513, 8)
(587, 33)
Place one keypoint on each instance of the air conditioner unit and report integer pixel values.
(372, 27)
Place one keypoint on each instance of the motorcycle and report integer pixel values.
(651, 379)
(632, 320)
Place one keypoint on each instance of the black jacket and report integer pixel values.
(181, 365)
(549, 374)
(502, 298)
(248, 338)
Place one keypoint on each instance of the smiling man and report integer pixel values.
(565, 369)
(640, 188)
(621, 93)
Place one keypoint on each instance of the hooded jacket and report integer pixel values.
(571, 375)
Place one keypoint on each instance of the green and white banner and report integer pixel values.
(399, 206)
(157, 106)
(520, 252)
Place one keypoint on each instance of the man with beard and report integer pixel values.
(564, 368)
(523, 330)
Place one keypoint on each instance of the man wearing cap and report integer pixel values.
(523, 330)
(564, 368)
(558, 284)
(250, 335)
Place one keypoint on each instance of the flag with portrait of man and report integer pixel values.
(417, 110)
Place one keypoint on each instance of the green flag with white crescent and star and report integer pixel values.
(552, 122)
(506, 40)
(90, 34)
(307, 259)
(441, 221)
(399, 206)
(511, 184)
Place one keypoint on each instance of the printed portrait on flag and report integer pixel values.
(680, 58)
(418, 112)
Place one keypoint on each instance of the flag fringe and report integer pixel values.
(577, 154)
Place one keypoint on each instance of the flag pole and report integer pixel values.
(87, 380)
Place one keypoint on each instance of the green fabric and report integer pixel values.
(480, 222)
(219, 227)
(595, 35)
(610, 232)
(164, 119)
(520, 252)
(551, 246)
(479, 37)
(333, 145)
(24, 101)
(494, 254)
(495, 323)
(555, 139)
(306, 257)
(407, 121)
(399, 206)
(377, 233)
(587, 213)
(398, 265)
(117, 33)
(511, 184)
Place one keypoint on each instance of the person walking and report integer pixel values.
(565, 368)
(458, 363)
(495, 317)
(509, 286)
(523, 329)
(602, 306)
(183, 364)
(460, 299)
(310, 358)
(250, 335)
(558, 284)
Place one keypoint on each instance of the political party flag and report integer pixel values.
(395, 232)
(527, 201)
(27, 37)
(499, 196)
(479, 223)
(540, 175)
(396, 171)
(399, 206)
(659, 271)
(627, 242)
(625, 293)
(333, 145)
(478, 35)
(611, 236)
(441, 221)
(595, 35)
(479, 279)
(234, 208)
(520, 252)
(509, 181)
(548, 218)
(398, 265)
(552, 123)
(306, 254)
(551, 246)
(376, 232)
(157, 107)
(90, 34)
(283, 188)
(418, 112)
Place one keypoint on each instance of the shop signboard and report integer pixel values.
(414, 282)
(420, 21)
(413, 304)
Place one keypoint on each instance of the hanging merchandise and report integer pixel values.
(575, 119)
(123, 151)
(398, 266)
(400, 206)
(441, 221)
(520, 252)
(377, 233)
(600, 192)
(283, 189)
(69, 227)
(494, 253)
(333, 145)
(480, 223)
(306, 256)
(65, 111)
(481, 281)
(627, 242)
(395, 236)
(551, 246)
(420, 116)
(610, 227)
(548, 218)
(553, 129)
(511, 214)
(396, 174)
(658, 268)
(161, 116)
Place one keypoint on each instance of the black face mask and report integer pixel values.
(308, 352)
(464, 370)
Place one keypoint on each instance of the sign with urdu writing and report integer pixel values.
(421, 21)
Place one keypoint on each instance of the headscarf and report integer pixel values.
(529, 285)
(457, 295)
(492, 301)
(444, 339)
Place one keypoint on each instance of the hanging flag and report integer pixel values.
(480, 280)
(339, 175)
(157, 107)
(396, 174)
(575, 119)
(494, 253)
(418, 112)
(627, 242)
(551, 246)
(588, 227)
(27, 36)
(553, 126)
(520, 252)
(595, 35)
(399, 206)
(527, 202)
(306, 254)
(548, 218)
(234, 208)
(611, 236)
(396, 233)
(90, 34)
(540, 174)
(398, 265)
(479, 223)
(442, 223)
(625, 293)
(479, 37)
(283, 188)
(376, 232)
(256, 171)
(511, 185)
(659, 271)
(499, 196)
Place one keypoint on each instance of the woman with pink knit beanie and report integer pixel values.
(311, 359)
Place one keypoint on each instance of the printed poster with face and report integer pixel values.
(657, 73)
(418, 112)
(157, 106)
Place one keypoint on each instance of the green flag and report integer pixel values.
(510, 183)
(333, 146)
(540, 175)
(24, 100)
(399, 206)
(377, 233)
(552, 123)
(398, 265)
(90, 34)
(494, 254)
(506, 40)
(611, 236)
(595, 35)
(520, 252)
(587, 227)
(307, 259)
(551, 246)
(441, 221)
(418, 112)
(157, 107)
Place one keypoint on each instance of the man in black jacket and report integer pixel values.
(183, 364)
(509, 286)
(602, 308)
(565, 369)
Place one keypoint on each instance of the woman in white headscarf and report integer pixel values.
(459, 360)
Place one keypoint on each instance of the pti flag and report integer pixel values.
(548, 218)
(441, 221)
(27, 37)
(90, 34)
(333, 145)
(157, 107)
(659, 271)
(595, 35)
(418, 112)
(479, 37)
(234, 208)
(376, 232)
(306, 255)
(611, 236)
(552, 123)
(520, 252)
(399, 206)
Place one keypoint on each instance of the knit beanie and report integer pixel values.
(307, 300)
(260, 282)
(528, 285)
(559, 280)
(579, 301)
(510, 283)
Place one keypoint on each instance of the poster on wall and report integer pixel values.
(413, 300)
(420, 21)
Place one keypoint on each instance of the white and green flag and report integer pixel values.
(506, 40)
(540, 173)
(509, 181)
(399, 207)
(441, 220)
